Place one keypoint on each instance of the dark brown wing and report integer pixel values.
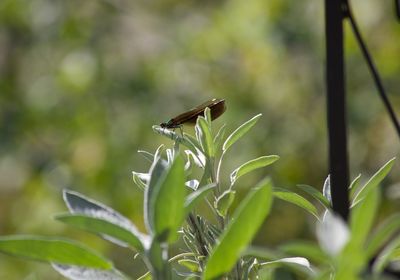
(217, 107)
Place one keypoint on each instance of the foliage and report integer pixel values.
(82, 81)
(167, 202)
(218, 248)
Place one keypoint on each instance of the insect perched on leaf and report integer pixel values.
(217, 108)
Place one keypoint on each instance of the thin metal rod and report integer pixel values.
(373, 70)
(336, 107)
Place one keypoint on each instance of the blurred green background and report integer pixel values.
(82, 82)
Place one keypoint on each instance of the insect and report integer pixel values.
(217, 108)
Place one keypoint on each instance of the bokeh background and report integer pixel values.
(82, 82)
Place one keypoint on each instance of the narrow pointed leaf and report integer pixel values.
(224, 202)
(61, 251)
(207, 116)
(252, 165)
(110, 231)
(262, 253)
(362, 217)
(192, 265)
(382, 234)
(195, 197)
(306, 249)
(390, 252)
(204, 136)
(157, 176)
(244, 224)
(296, 199)
(239, 132)
(80, 204)
(374, 181)
(167, 202)
(298, 264)
(146, 276)
(219, 137)
(326, 190)
(354, 187)
(316, 194)
(192, 142)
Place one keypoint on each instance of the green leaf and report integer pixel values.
(219, 137)
(146, 276)
(362, 217)
(157, 260)
(224, 202)
(193, 198)
(190, 264)
(157, 177)
(244, 224)
(98, 213)
(382, 234)
(203, 134)
(389, 253)
(296, 199)
(298, 264)
(307, 249)
(118, 234)
(239, 132)
(207, 116)
(353, 188)
(373, 182)
(262, 253)
(326, 189)
(252, 165)
(55, 250)
(316, 194)
(167, 200)
(191, 141)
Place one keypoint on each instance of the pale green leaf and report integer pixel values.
(219, 137)
(57, 250)
(252, 165)
(239, 132)
(316, 194)
(116, 233)
(389, 253)
(244, 224)
(353, 188)
(195, 197)
(296, 199)
(203, 134)
(307, 249)
(362, 217)
(224, 202)
(382, 234)
(167, 202)
(373, 182)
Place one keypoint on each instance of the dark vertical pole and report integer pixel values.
(336, 107)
